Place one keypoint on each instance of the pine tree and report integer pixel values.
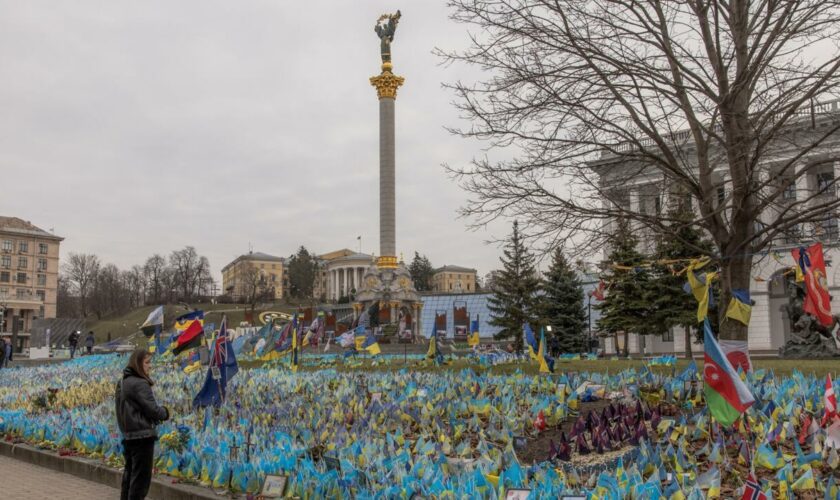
(302, 269)
(561, 305)
(672, 306)
(513, 300)
(628, 304)
(421, 272)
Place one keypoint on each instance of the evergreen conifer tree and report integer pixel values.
(513, 300)
(421, 272)
(672, 306)
(561, 305)
(628, 305)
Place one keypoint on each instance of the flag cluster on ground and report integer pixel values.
(404, 432)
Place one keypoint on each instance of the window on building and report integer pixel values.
(42, 264)
(450, 286)
(43, 248)
(41, 294)
(468, 289)
(6, 261)
(22, 293)
(789, 191)
(8, 245)
(42, 280)
(23, 246)
(825, 182)
(5, 276)
(792, 236)
(668, 335)
(827, 230)
(21, 277)
(23, 262)
(720, 192)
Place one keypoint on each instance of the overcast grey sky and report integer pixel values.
(135, 128)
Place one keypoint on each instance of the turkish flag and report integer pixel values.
(817, 301)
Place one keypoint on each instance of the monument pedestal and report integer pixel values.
(394, 289)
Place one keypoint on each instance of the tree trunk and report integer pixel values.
(626, 344)
(615, 343)
(688, 339)
(734, 274)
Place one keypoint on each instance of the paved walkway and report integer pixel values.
(24, 481)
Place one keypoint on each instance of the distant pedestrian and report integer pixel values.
(137, 415)
(7, 351)
(89, 341)
(73, 341)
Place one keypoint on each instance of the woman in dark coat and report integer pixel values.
(137, 415)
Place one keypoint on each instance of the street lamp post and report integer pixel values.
(589, 321)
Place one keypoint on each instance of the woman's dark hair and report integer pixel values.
(135, 362)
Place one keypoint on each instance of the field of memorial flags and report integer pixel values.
(449, 433)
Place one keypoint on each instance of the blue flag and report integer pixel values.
(222, 368)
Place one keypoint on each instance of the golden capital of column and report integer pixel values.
(386, 83)
(386, 262)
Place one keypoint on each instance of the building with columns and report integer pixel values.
(340, 273)
(29, 264)
(643, 191)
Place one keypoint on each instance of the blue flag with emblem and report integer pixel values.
(222, 368)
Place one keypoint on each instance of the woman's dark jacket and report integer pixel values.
(137, 411)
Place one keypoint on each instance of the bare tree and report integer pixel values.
(728, 102)
(81, 271)
(154, 273)
(255, 285)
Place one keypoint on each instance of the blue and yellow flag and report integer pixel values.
(740, 306)
(700, 288)
(541, 356)
(294, 350)
(359, 337)
(473, 340)
(371, 345)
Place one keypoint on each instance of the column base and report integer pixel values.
(386, 262)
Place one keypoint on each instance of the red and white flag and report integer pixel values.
(830, 412)
(738, 353)
(539, 422)
(752, 490)
(598, 292)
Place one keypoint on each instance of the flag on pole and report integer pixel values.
(294, 360)
(473, 340)
(726, 395)
(191, 331)
(542, 359)
(222, 368)
(752, 490)
(830, 412)
(812, 265)
(598, 292)
(530, 341)
(154, 322)
(371, 345)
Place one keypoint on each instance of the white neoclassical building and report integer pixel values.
(643, 191)
(341, 272)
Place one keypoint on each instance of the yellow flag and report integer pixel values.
(739, 311)
(700, 290)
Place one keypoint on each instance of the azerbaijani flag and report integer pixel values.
(191, 327)
(726, 394)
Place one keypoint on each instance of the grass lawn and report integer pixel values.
(129, 323)
(782, 367)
